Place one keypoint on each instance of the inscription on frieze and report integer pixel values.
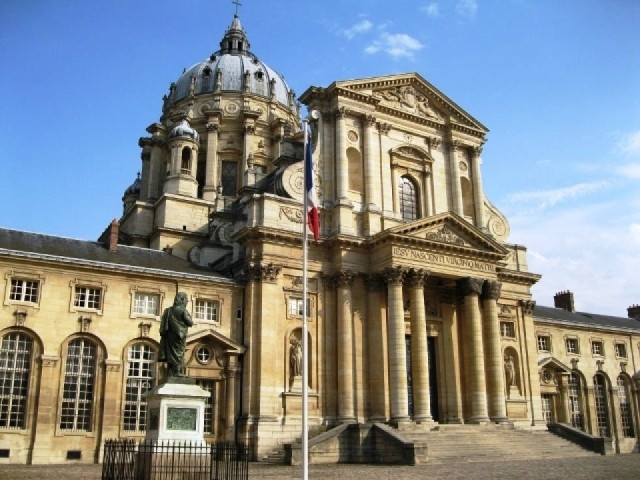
(444, 259)
(181, 419)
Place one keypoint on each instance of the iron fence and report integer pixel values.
(152, 460)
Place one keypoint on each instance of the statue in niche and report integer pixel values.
(295, 357)
(510, 371)
(173, 334)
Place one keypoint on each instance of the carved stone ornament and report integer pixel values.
(21, 317)
(406, 98)
(292, 214)
(408, 138)
(547, 377)
(599, 365)
(145, 328)
(394, 275)
(344, 278)
(433, 142)
(296, 282)
(470, 285)
(445, 235)
(370, 120)
(385, 128)
(477, 151)
(574, 363)
(250, 129)
(623, 367)
(352, 136)
(49, 360)
(213, 127)
(505, 309)
(112, 365)
(85, 324)
(463, 166)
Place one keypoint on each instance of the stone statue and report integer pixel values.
(509, 371)
(295, 359)
(173, 334)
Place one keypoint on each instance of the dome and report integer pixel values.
(232, 68)
(134, 188)
(183, 129)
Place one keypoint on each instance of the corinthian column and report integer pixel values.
(345, 347)
(494, 363)
(419, 358)
(478, 192)
(471, 289)
(456, 191)
(397, 349)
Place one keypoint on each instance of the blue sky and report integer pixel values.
(556, 82)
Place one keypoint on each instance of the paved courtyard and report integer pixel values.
(614, 467)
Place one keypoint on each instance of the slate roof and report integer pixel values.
(583, 319)
(71, 251)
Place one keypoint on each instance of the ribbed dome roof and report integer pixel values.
(183, 129)
(227, 69)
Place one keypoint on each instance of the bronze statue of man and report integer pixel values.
(173, 334)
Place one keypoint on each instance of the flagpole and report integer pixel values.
(305, 347)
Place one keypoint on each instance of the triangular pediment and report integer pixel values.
(447, 230)
(411, 94)
(216, 338)
(554, 364)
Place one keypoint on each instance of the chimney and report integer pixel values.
(564, 300)
(112, 236)
(634, 312)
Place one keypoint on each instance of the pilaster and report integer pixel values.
(478, 190)
(345, 345)
(211, 169)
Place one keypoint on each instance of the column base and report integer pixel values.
(426, 419)
(479, 420)
(347, 420)
(499, 419)
(400, 422)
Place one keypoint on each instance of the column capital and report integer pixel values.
(476, 151)
(249, 129)
(212, 126)
(384, 128)
(491, 289)
(527, 306)
(343, 278)
(394, 275)
(370, 120)
(258, 271)
(433, 142)
(417, 276)
(341, 112)
(470, 285)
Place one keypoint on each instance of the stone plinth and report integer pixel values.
(176, 411)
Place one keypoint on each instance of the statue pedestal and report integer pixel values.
(176, 411)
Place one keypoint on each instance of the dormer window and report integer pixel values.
(259, 75)
(206, 73)
(239, 45)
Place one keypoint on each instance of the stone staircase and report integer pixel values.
(480, 443)
(277, 456)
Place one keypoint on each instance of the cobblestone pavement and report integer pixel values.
(613, 467)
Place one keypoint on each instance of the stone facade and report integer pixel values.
(419, 310)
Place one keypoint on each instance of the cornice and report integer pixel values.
(581, 326)
(514, 276)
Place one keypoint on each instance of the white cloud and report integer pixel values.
(634, 233)
(630, 170)
(542, 199)
(395, 44)
(467, 9)
(631, 144)
(432, 9)
(362, 26)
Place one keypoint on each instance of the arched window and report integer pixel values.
(575, 407)
(141, 361)
(625, 407)
(79, 386)
(15, 367)
(229, 178)
(185, 164)
(602, 411)
(408, 199)
(354, 162)
(467, 198)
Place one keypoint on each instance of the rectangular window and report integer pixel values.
(572, 345)
(295, 307)
(87, 297)
(209, 386)
(507, 329)
(207, 311)
(597, 348)
(146, 304)
(621, 350)
(140, 379)
(544, 343)
(229, 178)
(24, 290)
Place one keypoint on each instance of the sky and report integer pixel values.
(557, 82)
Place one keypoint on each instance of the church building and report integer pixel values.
(419, 309)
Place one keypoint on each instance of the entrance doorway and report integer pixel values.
(433, 376)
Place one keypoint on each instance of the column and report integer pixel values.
(494, 363)
(478, 192)
(419, 358)
(145, 155)
(327, 134)
(230, 395)
(386, 179)
(454, 171)
(342, 166)
(394, 277)
(329, 366)
(452, 359)
(530, 363)
(211, 169)
(376, 354)
(564, 415)
(471, 288)
(345, 347)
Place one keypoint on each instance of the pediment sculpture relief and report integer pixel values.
(408, 99)
(445, 235)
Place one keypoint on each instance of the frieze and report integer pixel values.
(406, 98)
(293, 214)
(445, 235)
(443, 259)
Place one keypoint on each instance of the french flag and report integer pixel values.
(313, 218)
